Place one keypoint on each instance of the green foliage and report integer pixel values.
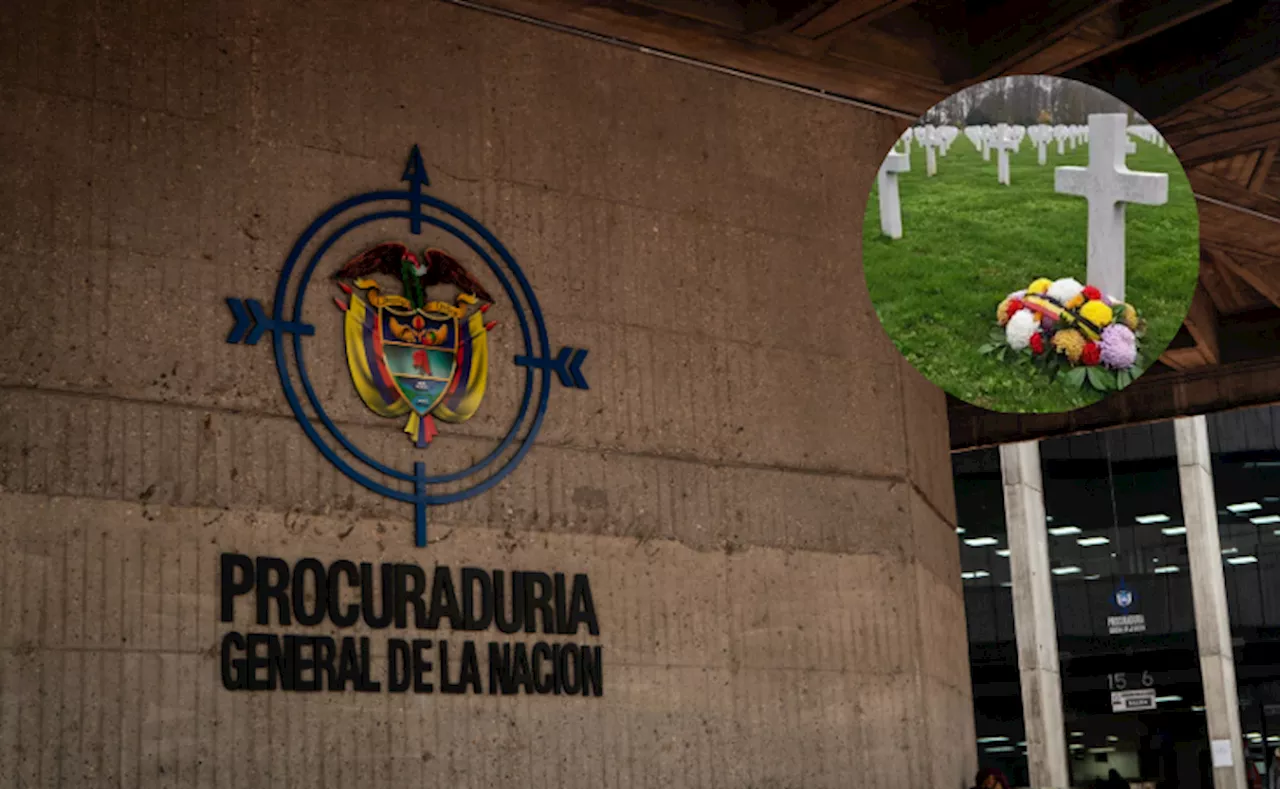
(969, 241)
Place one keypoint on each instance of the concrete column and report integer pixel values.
(1209, 596)
(1033, 616)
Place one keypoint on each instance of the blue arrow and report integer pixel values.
(252, 322)
(567, 365)
(415, 174)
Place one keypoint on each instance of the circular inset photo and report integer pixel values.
(1031, 244)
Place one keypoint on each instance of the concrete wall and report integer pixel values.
(757, 486)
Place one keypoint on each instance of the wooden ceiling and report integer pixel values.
(1205, 72)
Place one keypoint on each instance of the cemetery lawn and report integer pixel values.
(968, 242)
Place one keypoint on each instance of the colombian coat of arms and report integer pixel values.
(409, 356)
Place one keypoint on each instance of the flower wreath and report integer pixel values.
(1062, 324)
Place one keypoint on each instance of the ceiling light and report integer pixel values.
(1242, 560)
(1158, 517)
(1048, 518)
(984, 740)
(1168, 568)
(1022, 744)
(1265, 520)
(1000, 749)
(1271, 499)
(1075, 746)
(1112, 738)
(1174, 530)
(1108, 749)
(1229, 551)
(1069, 570)
(1003, 552)
(1093, 577)
(1167, 699)
(959, 530)
(1091, 541)
(1077, 734)
(1064, 531)
(1006, 584)
(1244, 506)
(1197, 708)
(978, 542)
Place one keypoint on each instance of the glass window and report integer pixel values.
(993, 654)
(1132, 695)
(1245, 446)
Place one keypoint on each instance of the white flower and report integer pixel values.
(1065, 290)
(1018, 331)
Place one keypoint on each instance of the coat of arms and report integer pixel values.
(410, 356)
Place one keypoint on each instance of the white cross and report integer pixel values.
(890, 205)
(1060, 133)
(987, 131)
(1107, 184)
(1003, 141)
(928, 137)
(906, 142)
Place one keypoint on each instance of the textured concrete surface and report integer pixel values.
(756, 484)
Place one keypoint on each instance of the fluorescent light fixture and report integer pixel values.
(1000, 749)
(1112, 738)
(1069, 570)
(1197, 708)
(1158, 517)
(1004, 552)
(1049, 518)
(1077, 734)
(1108, 749)
(1075, 746)
(1253, 734)
(1167, 699)
(959, 530)
(969, 576)
(1091, 541)
(1169, 568)
(1064, 531)
(1271, 499)
(1093, 577)
(1173, 531)
(1242, 560)
(1244, 506)
(985, 740)
(1229, 551)
(1265, 520)
(1022, 744)
(1274, 738)
(978, 542)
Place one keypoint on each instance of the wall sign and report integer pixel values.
(1126, 621)
(411, 357)
(342, 594)
(1133, 700)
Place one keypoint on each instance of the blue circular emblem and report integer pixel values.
(409, 357)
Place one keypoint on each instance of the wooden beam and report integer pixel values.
(1153, 397)
(1012, 31)
(1142, 19)
(1202, 324)
(641, 26)
(1267, 286)
(1165, 72)
(839, 15)
(1218, 139)
(1263, 168)
(1183, 359)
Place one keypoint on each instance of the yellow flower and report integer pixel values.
(1002, 312)
(1070, 342)
(1130, 317)
(1075, 302)
(1039, 286)
(1097, 313)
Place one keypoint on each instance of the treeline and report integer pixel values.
(1026, 100)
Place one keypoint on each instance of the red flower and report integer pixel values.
(1091, 354)
(1037, 343)
(1091, 293)
(1015, 305)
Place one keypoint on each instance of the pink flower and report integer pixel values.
(1118, 346)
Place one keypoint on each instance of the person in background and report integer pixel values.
(1273, 771)
(991, 778)
(1115, 780)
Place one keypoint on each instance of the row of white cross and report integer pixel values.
(1106, 183)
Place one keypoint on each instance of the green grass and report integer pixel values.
(968, 242)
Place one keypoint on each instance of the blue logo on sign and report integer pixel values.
(407, 342)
